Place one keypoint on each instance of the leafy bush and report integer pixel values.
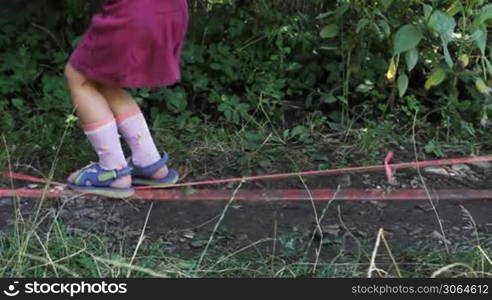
(437, 51)
(344, 64)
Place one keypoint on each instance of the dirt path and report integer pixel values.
(185, 226)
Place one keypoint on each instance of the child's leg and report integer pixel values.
(98, 122)
(133, 127)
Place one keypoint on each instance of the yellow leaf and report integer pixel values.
(391, 74)
(455, 8)
(481, 86)
(464, 60)
(354, 69)
(435, 78)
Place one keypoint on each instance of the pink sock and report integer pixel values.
(133, 127)
(105, 140)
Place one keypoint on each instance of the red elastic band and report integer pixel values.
(99, 124)
(133, 112)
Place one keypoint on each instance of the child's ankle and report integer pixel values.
(123, 182)
(161, 173)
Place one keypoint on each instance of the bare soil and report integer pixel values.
(185, 226)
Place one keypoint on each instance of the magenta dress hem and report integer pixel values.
(108, 80)
(134, 44)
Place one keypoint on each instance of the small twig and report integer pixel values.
(63, 258)
(17, 206)
(467, 215)
(484, 254)
(390, 253)
(318, 224)
(441, 226)
(42, 259)
(322, 217)
(140, 239)
(201, 225)
(224, 211)
(372, 265)
(274, 248)
(134, 268)
(51, 35)
(340, 219)
(240, 250)
(452, 266)
(57, 216)
(47, 254)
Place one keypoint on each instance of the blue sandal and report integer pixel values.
(95, 180)
(143, 176)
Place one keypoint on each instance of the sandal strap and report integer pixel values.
(97, 176)
(124, 172)
(152, 169)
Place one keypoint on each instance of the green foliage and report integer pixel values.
(407, 38)
(445, 42)
(247, 64)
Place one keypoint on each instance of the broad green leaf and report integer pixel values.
(329, 31)
(443, 24)
(427, 11)
(18, 103)
(324, 15)
(362, 23)
(484, 15)
(298, 130)
(447, 55)
(488, 66)
(481, 40)
(411, 57)
(434, 148)
(342, 99)
(385, 4)
(406, 38)
(339, 12)
(329, 98)
(384, 26)
(402, 84)
(252, 140)
(435, 78)
(364, 88)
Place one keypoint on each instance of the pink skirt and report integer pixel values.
(134, 43)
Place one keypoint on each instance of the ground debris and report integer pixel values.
(437, 171)
(331, 229)
(344, 180)
(188, 235)
(437, 235)
(460, 168)
(482, 164)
